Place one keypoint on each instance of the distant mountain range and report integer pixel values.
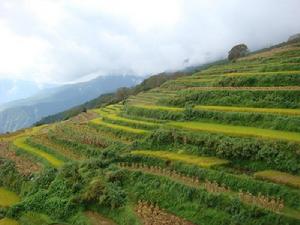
(23, 113)
(11, 90)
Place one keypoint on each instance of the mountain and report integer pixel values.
(23, 113)
(10, 90)
(110, 98)
(218, 146)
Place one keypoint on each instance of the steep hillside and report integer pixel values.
(23, 113)
(123, 93)
(218, 147)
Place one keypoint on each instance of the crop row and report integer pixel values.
(21, 143)
(205, 162)
(181, 200)
(246, 184)
(270, 203)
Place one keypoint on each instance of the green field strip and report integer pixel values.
(21, 143)
(238, 130)
(279, 177)
(139, 102)
(126, 120)
(195, 80)
(198, 77)
(67, 153)
(8, 198)
(283, 73)
(292, 112)
(100, 122)
(157, 107)
(205, 162)
(278, 88)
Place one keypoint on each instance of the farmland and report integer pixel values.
(218, 147)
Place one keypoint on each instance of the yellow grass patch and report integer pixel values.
(156, 107)
(7, 221)
(238, 130)
(190, 159)
(20, 143)
(123, 119)
(8, 198)
(118, 127)
(293, 112)
(279, 177)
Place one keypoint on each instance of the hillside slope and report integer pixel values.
(24, 113)
(217, 147)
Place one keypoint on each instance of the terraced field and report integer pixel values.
(21, 144)
(291, 112)
(217, 147)
(238, 130)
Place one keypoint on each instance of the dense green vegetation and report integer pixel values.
(173, 145)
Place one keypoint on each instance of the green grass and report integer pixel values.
(293, 112)
(205, 162)
(8, 198)
(7, 221)
(279, 177)
(238, 130)
(21, 143)
(118, 127)
(33, 218)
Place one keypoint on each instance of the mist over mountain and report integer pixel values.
(23, 113)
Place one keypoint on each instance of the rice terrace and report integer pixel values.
(216, 144)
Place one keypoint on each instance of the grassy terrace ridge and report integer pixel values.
(282, 111)
(100, 122)
(279, 88)
(8, 198)
(200, 76)
(159, 107)
(238, 130)
(279, 177)
(21, 143)
(205, 162)
(123, 119)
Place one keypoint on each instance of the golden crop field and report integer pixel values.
(190, 159)
(21, 143)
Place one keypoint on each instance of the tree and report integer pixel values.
(238, 51)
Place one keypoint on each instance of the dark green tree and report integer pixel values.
(238, 51)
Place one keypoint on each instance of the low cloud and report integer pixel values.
(64, 40)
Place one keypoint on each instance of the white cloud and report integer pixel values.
(64, 40)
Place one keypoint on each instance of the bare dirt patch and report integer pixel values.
(23, 165)
(152, 215)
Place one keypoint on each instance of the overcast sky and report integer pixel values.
(62, 41)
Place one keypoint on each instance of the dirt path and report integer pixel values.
(97, 219)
